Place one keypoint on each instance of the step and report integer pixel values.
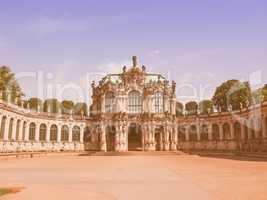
(135, 153)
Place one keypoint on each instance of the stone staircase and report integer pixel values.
(135, 153)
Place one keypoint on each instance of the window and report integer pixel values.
(134, 102)
(110, 104)
(76, 134)
(53, 133)
(64, 133)
(158, 102)
(42, 132)
(32, 132)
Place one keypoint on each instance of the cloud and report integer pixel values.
(154, 53)
(45, 25)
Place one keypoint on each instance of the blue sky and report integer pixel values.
(197, 43)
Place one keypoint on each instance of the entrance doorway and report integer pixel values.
(158, 135)
(110, 138)
(134, 137)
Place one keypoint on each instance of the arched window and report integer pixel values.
(192, 133)
(181, 134)
(76, 134)
(237, 131)
(10, 129)
(42, 132)
(158, 102)
(3, 125)
(32, 131)
(64, 133)
(134, 102)
(87, 137)
(110, 104)
(215, 132)
(204, 135)
(226, 131)
(17, 129)
(53, 133)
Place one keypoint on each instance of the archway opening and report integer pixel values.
(110, 138)
(158, 137)
(134, 137)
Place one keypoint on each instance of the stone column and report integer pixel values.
(59, 133)
(210, 131)
(81, 134)
(14, 128)
(166, 139)
(37, 132)
(27, 131)
(198, 131)
(21, 130)
(6, 128)
(103, 143)
(70, 133)
(221, 131)
(232, 131)
(174, 138)
(47, 138)
(264, 128)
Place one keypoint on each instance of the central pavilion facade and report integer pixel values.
(133, 110)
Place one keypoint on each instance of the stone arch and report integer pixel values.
(53, 133)
(64, 133)
(87, 136)
(237, 131)
(258, 128)
(181, 134)
(3, 126)
(110, 137)
(76, 133)
(32, 130)
(226, 131)
(10, 129)
(42, 132)
(215, 132)
(204, 132)
(192, 133)
(18, 129)
(158, 137)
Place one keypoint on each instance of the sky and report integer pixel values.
(56, 48)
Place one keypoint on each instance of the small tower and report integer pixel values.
(134, 61)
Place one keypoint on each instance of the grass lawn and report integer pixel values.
(4, 191)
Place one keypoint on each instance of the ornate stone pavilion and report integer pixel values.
(134, 110)
(130, 111)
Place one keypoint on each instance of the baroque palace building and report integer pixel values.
(132, 111)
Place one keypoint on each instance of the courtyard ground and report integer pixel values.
(134, 178)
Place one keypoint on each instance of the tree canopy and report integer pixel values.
(232, 93)
(191, 108)
(206, 107)
(9, 86)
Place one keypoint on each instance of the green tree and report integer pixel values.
(67, 106)
(80, 108)
(52, 106)
(9, 85)
(179, 108)
(206, 107)
(35, 104)
(232, 93)
(191, 108)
